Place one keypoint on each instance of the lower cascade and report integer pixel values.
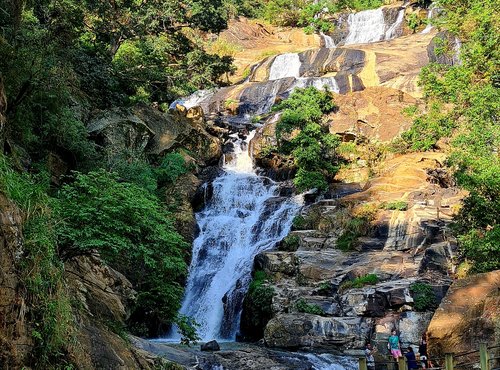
(244, 217)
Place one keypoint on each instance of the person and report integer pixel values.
(370, 360)
(422, 350)
(393, 346)
(410, 359)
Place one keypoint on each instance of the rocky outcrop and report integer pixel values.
(468, 315)
(102, 302)
(145, 129)
(15, 331)
(401, 246)
(375, 113)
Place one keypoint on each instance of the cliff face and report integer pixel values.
(468, 315)
(15, 331)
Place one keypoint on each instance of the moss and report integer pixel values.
(302, 306)
(359, 282)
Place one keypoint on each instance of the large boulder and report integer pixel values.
(468, 315)
(145, 129)
(300, 330)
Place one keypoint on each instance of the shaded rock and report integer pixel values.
(306, 330)
(436, 258)
(451, 44)
(210, 346)
(15, 331)
(468, 315)
(277, 263)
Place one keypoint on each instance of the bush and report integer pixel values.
(313, 148)
(359, 282)
(172, 166)
(290, 243)
(257, 306)
(302, 306)
(355, 228)
(132, 232)
(397, 205)
(423, 297)
(50, 313)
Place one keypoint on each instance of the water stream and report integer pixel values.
(244, 217)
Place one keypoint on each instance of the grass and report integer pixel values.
(398, 205)
(290, 243)
(359, 282)
(302, 306)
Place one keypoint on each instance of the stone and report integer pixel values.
(210, 346)
(295, 331)
(468, 315)
(277, 263)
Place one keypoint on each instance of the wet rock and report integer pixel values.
(306, 330)
(277, 263)
(210, 346)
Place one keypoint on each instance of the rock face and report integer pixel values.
(105, 297)
(315, 303)
(145, 129)
(468, 315)
(375, 112)
(15, 332)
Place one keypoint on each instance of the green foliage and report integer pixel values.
(172, 166)
(359, 282)
(397, 205)
(354, 228)
(299, 222)
(463, 104)
(257, 306)
(290, 243)
(188, 329)
(423, 297)
(302, 306)
(50, 312)
(132, 232)
(313, 148)
(414, 21)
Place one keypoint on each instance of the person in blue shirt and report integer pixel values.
(411, 360)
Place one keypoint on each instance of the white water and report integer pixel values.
(433, 11)
(194, 99)
(394, 29)
(319, 83)
(285, 65)
(329, 43)
(365, 27)
(244, 217)
(370, 26)
(331, 362)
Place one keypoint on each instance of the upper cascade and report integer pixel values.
(372, 26)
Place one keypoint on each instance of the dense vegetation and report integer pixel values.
(462, 112)
(302, 134)
(312, 15)
(60, 61)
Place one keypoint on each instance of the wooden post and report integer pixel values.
(362, 363)
(390, 365)
(402, 363)
(483, 356)
(448, 361)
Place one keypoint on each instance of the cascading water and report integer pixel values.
(285, 65)
(328, 41)
(244, 217)
(370, 26)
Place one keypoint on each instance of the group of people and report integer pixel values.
(394, 346)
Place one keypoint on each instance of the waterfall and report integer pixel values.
(394, 29)
(244, 217)
(370, 26)
(319, 83)
(328, 41)
(285, 65)
(365, 27)
(433, 11)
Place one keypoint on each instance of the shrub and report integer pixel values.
(397, 205)
(423, 297)
(355, 228)
(313, 148)
(257, 306)
(132, 232)
(290, 243)
(359, 282)
(302, 306)
(172, 166)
